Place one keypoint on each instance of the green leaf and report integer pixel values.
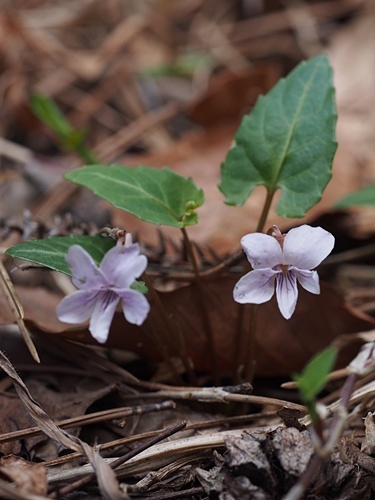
(185, 65)
(287, 142)
(51, 252)
(75, 140)
(365, 196)
(139, 286)
(154, 195)
(314, 376)
(46, 110)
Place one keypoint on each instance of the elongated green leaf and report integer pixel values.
(154, 195)
(287, 142)
(314, 376)
(186, 64)
(365, 196)
(46, 110)
(51, 252)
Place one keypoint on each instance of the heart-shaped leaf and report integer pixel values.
(154, 195)
(51, 252)
(287, 142)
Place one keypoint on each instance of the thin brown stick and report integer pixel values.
(222, 421)
(91, 418)
(115, 143)
(189, 493)
(217, 395)
(116, 463)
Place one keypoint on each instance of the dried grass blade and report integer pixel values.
(48, 426)
(17, 310)
(105, 475)
(35, 410)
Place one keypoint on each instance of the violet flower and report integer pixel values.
(101, 288)
(282, 260)
(364, 362)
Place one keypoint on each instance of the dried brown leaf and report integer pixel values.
(29, 477)
(368, 445)
(282, 346)
(56, 433)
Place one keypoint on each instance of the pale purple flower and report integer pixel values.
(364, 362)
(101, 288)
(281, 261)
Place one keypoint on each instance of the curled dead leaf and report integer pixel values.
(29, 477)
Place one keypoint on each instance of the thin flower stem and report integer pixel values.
(297, 491)
(86, 154)
(249, 340)
(172, 337)
(266, 209)
(326, 448)
(169, 431)
(250, 363)
(236, 257)
(203, 307)
(238, 362)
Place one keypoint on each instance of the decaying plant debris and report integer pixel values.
(121, 422)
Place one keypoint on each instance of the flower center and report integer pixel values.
(284, 268)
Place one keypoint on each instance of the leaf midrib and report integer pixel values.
(279, 168)
(138, 188)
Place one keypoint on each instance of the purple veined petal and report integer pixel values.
(77, 307)
(101, 319)
(256, 287)
(305, 247)
(122, 265)
(286, 293)
(85, 273)
(309, 280)
(262, 250)
(135, 306)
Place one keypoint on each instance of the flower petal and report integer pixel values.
(255, 287)
(85, 273)
(102, 315)
(262, 250)
(305, 247)
(122, 265)
(77, 307)
(308, 279)
(135, 306)
(286, 293)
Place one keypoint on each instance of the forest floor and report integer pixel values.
(166, 83)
